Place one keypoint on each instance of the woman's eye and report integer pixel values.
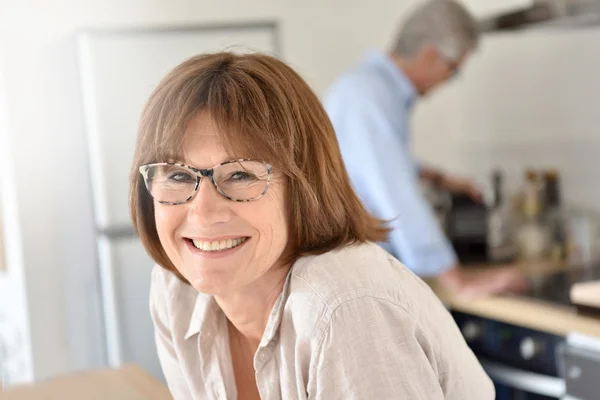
(241, 176)
(181, 177)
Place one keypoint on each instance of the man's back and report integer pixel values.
(370, 109)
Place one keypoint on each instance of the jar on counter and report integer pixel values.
(533, 236)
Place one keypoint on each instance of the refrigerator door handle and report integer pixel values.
(112, 327)
(117, 232)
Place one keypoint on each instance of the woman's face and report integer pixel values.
(260, 225)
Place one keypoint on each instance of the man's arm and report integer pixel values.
(430, 174)
(385, 177)
(451, 183)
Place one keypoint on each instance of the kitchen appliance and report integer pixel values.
(581, 367)
(544, 14)
(479, 233)
(526, 364)
(521, 362)
(557, 287)
(466, 225)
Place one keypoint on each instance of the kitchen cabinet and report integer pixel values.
(481, 8)
(126, 383)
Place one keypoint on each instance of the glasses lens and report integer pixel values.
(242, 180)
(170, 183)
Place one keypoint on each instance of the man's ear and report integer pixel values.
(429, 54)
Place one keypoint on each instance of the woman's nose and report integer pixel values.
(208, 205)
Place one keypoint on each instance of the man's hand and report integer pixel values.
(484, 282)
(459, 185)
(450, 183)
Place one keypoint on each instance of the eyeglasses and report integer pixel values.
(453, 66)
(237, 180)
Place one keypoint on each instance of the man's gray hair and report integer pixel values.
(444, 24)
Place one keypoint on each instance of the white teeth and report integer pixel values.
(218, 245)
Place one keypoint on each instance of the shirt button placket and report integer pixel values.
(263, 390)
(216, 392)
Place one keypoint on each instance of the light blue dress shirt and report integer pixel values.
(370, 108)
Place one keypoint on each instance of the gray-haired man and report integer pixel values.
(370, 107)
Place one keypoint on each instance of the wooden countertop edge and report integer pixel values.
(586, 293)
(556, 319)
(522, 311)
(130, 381)
(145, 383)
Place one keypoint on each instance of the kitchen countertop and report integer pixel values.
(522, 311)
(128, 382)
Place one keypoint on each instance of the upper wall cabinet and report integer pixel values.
(483, 8)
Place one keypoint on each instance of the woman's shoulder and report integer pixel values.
(355, 271)
(379, 318)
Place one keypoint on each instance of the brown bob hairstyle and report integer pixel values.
(263, 110)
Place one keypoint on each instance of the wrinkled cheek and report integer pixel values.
(165, 227)
(279, 239)
(162, 227)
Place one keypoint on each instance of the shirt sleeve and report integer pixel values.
(164, 345)
(384, 174)
(374, 349)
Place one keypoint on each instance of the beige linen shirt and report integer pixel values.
(349, 324)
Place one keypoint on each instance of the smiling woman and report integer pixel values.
(268, 283)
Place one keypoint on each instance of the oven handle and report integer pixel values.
(524, 380)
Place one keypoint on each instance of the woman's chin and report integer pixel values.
(210, 284)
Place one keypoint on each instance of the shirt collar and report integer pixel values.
(206, 308)
(398, 79)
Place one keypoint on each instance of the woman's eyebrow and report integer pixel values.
(195, 165)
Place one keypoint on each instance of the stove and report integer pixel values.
(555, 287)
(522, 362)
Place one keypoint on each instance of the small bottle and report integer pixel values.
(532, 235)
(554, 216)
(501, 247)
(531, 195)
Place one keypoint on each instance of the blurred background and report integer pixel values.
(74, 76)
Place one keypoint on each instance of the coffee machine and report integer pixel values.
(466, 225)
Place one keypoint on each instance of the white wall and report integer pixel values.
(55, 219)
(15, 342)
(525, 100)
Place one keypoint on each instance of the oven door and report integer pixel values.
(517, 384)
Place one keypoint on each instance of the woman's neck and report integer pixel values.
(248, 309)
